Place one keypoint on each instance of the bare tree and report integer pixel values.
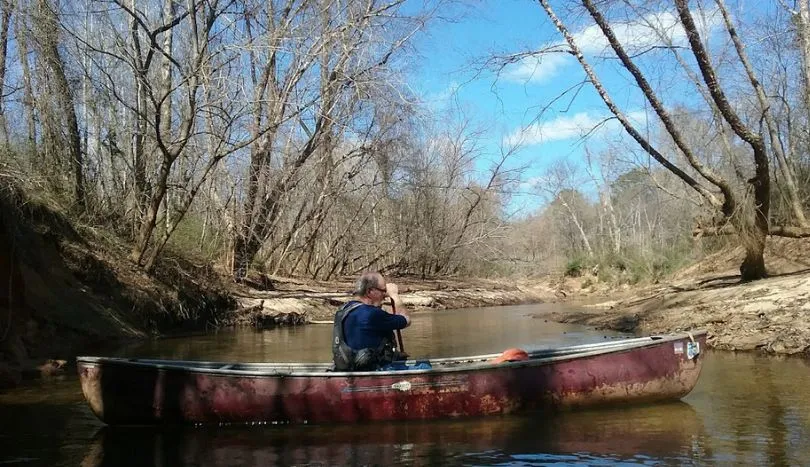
(6, 8)
(62, 121)
(326, 62)
(23, 50)
(559, 185)
(614, 231)
(447, 209)
(153, 60)
(752, 224)
(800, 13)
(773, 131)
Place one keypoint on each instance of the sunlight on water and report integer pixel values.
(746, 410)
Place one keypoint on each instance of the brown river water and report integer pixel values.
(745, 410)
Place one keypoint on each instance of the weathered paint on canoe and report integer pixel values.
(122, 391)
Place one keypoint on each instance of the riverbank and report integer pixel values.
(68, 287)
(771, 316)
(299, 302)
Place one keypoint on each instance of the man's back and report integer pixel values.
(367, 326)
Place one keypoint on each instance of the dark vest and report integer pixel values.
(348, 359)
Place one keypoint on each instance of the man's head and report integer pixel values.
(370, 287)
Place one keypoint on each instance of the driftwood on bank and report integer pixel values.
(267, 309)
(259, 317)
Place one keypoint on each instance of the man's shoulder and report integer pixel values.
(372, 314)
(357, 306)
(366, 308)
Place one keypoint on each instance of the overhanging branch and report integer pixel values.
(789, 231)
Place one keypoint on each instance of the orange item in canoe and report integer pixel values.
(512, 355)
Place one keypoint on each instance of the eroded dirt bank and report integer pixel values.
(770, 315)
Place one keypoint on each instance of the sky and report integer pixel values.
(511, 105)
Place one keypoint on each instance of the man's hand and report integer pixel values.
(392, 290)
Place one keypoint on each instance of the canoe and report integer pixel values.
(126, 391)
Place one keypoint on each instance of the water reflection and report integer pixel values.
(756, 408)
(662, 432)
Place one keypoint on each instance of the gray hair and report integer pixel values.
(367, 281)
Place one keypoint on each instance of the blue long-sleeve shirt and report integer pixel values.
(367, 325)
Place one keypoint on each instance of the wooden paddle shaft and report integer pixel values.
(399, 334)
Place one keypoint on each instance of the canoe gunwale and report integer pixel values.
(459, 364)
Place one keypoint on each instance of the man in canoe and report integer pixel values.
(363, 335)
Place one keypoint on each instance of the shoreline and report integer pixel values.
(770, 316)
(287, 306)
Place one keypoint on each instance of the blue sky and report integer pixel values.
(509, 106)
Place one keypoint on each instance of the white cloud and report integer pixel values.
(444, 95)
(635, 35)
(568, 127)
(646, 33)
(561, 128)
(535, 69)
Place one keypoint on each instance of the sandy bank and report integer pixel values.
(770, 315)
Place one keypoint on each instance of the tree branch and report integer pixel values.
(628, 126)
(788, 231)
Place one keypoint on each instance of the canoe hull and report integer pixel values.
(122, 393)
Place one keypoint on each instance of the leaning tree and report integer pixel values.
(745, 212)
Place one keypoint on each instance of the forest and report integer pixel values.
(283, 136)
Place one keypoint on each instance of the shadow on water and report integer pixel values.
(663, 432)
(45, 432)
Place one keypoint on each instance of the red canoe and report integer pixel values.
(124, 391)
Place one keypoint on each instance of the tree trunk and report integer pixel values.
(803, 26)
(614, 231)
(244, 250)
(791, 190)
(47, 26)
(5, 19)
(28, 88)
(753, 266)
(138, 126)
(244, 245)
(164, 110)
(147, 225)
(166, 72)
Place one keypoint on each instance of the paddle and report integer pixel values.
(399, 334)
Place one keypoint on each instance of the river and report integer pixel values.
(745, 410)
